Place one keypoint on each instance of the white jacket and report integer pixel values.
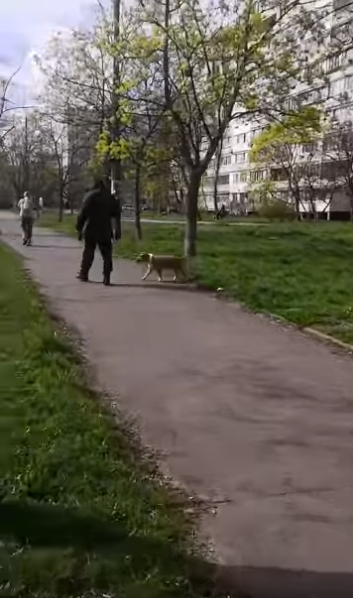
(26, 207)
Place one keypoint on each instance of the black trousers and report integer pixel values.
(106, 249)
(27, 227)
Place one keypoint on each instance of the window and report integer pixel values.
(241, 138)
(223, 179)
(278, 174)
(240, 157)
(257, 175)
(226, 142)
(243, 177)
(314, 96)
(223, 198)
(329, 143)
(348, 83)
(226, 160)
(309, 148)
(335, 88)
(335, 61)
(236, 177)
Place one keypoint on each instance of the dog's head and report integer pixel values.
(143, 257)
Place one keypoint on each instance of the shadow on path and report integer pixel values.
(47, 246)
(50, 526)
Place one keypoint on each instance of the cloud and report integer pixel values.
(25, 25)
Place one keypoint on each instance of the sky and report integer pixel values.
(25, 25)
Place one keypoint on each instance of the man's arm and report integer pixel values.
(83, 213)
(116, 218)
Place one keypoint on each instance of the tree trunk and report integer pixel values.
(218, 159)
(192, 197)
(215, 193)
(138, 229)
(297, 206)
(61, 207)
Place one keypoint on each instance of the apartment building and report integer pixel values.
(237, 176)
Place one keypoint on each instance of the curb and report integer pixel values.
(320, 336)
(328, 338)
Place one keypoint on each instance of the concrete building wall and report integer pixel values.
(237, 174)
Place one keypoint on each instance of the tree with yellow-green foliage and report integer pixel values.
(196, 67)
(220, 62)
(143, 144)
(193, 67)
(279, 148)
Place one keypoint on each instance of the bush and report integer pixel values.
(6, 202)
(276, 209)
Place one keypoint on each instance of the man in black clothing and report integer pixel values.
(99, 223)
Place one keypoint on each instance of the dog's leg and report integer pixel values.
(185, 273)
(160, 277)
(148, 272)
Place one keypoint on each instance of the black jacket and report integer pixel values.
(98, 210)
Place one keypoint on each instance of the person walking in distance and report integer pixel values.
(26, 207)
(40, 206)
(98, 223)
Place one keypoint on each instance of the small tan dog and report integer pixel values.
(158, 263)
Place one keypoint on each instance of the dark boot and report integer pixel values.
(105, 247)
(106, 280)
(87, 260)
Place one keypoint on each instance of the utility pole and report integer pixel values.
(116, 171)
(26, 158)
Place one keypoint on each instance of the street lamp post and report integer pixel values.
(116, 172)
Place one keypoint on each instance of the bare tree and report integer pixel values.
(71, 156)
(314, 186)
(42, 159)
(20, 146)
(6, 106)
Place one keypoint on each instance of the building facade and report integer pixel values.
(237, 176)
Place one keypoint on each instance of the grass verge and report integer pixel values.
(80, 513)
(301, 272)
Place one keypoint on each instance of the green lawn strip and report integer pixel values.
(81, 513)
(301, 272)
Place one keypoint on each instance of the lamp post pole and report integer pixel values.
(116, 172)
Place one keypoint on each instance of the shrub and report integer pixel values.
(276, 209)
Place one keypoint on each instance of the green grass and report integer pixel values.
(207, 217)
(298, 271)
(81, 513)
